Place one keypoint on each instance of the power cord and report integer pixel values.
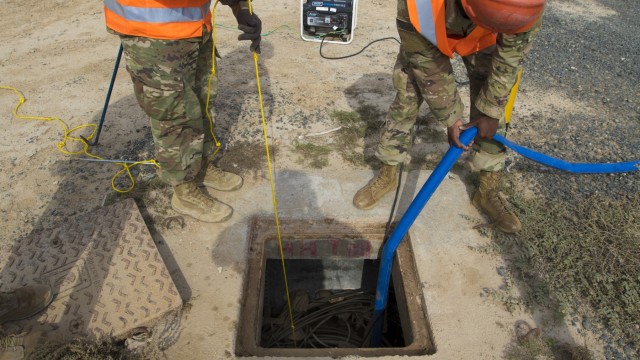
(351, 55)
(413, 136)
(387, 229)
(395, 198)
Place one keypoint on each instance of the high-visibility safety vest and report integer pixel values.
(158, 19)
(428, 18)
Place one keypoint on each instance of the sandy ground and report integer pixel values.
(60, 56)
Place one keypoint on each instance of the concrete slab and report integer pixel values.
(107, 274)
(213, 259)
(208, 263)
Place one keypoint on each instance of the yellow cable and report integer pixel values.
(273, 191)
(85, 146)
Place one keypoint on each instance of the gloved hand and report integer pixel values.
(249, 24)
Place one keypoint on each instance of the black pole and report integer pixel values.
(106, 101)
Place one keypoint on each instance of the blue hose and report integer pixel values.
(389, 249)
(432, 183)
(580, 168)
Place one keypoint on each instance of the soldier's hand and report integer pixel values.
(250, 24)
(453, 135)
(487, 126)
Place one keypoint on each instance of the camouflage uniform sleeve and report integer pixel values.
(508, 57)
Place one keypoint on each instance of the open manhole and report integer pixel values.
(332, 270)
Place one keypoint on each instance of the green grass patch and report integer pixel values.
(359, 133)
(316, 156)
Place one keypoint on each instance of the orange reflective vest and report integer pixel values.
(428, 18)
(158, 19)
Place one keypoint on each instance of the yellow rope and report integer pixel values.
(85, 146)
(273, 191)
(127, 167)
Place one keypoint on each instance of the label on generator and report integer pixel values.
(338, 3)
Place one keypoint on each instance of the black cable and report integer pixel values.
(395, 198)
(352, 55)
(353, 303)
(461, 83)
(393, 206)
(319, 322)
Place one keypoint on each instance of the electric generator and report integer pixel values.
(329, 21)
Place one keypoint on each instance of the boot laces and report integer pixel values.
(379, 182)
(200, 198)
(215, 170)
(498, 202)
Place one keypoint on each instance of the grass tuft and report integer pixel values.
(81, 349)
(359, 134)
(317, 156)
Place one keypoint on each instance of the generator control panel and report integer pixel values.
(331, 21)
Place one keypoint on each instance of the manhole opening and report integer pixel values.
(332, 304)
(332, 270)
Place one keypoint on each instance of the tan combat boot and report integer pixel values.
(217, 179)
(487, 199)
(24, 302)
(188, 199)
(386, 180)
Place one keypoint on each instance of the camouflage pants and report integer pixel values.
(170, 83)
(423, 74)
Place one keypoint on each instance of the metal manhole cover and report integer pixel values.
(105, 269)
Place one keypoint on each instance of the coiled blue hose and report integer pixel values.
(432, 183)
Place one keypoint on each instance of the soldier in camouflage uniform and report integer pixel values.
(171, 83)
(423, 73)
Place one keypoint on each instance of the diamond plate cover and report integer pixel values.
(107, 274)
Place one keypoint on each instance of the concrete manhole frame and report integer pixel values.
(360, 239)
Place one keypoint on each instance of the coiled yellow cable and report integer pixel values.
(67, 136)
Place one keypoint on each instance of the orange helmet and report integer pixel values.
(504, 16)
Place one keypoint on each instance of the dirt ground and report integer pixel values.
(59, 55)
